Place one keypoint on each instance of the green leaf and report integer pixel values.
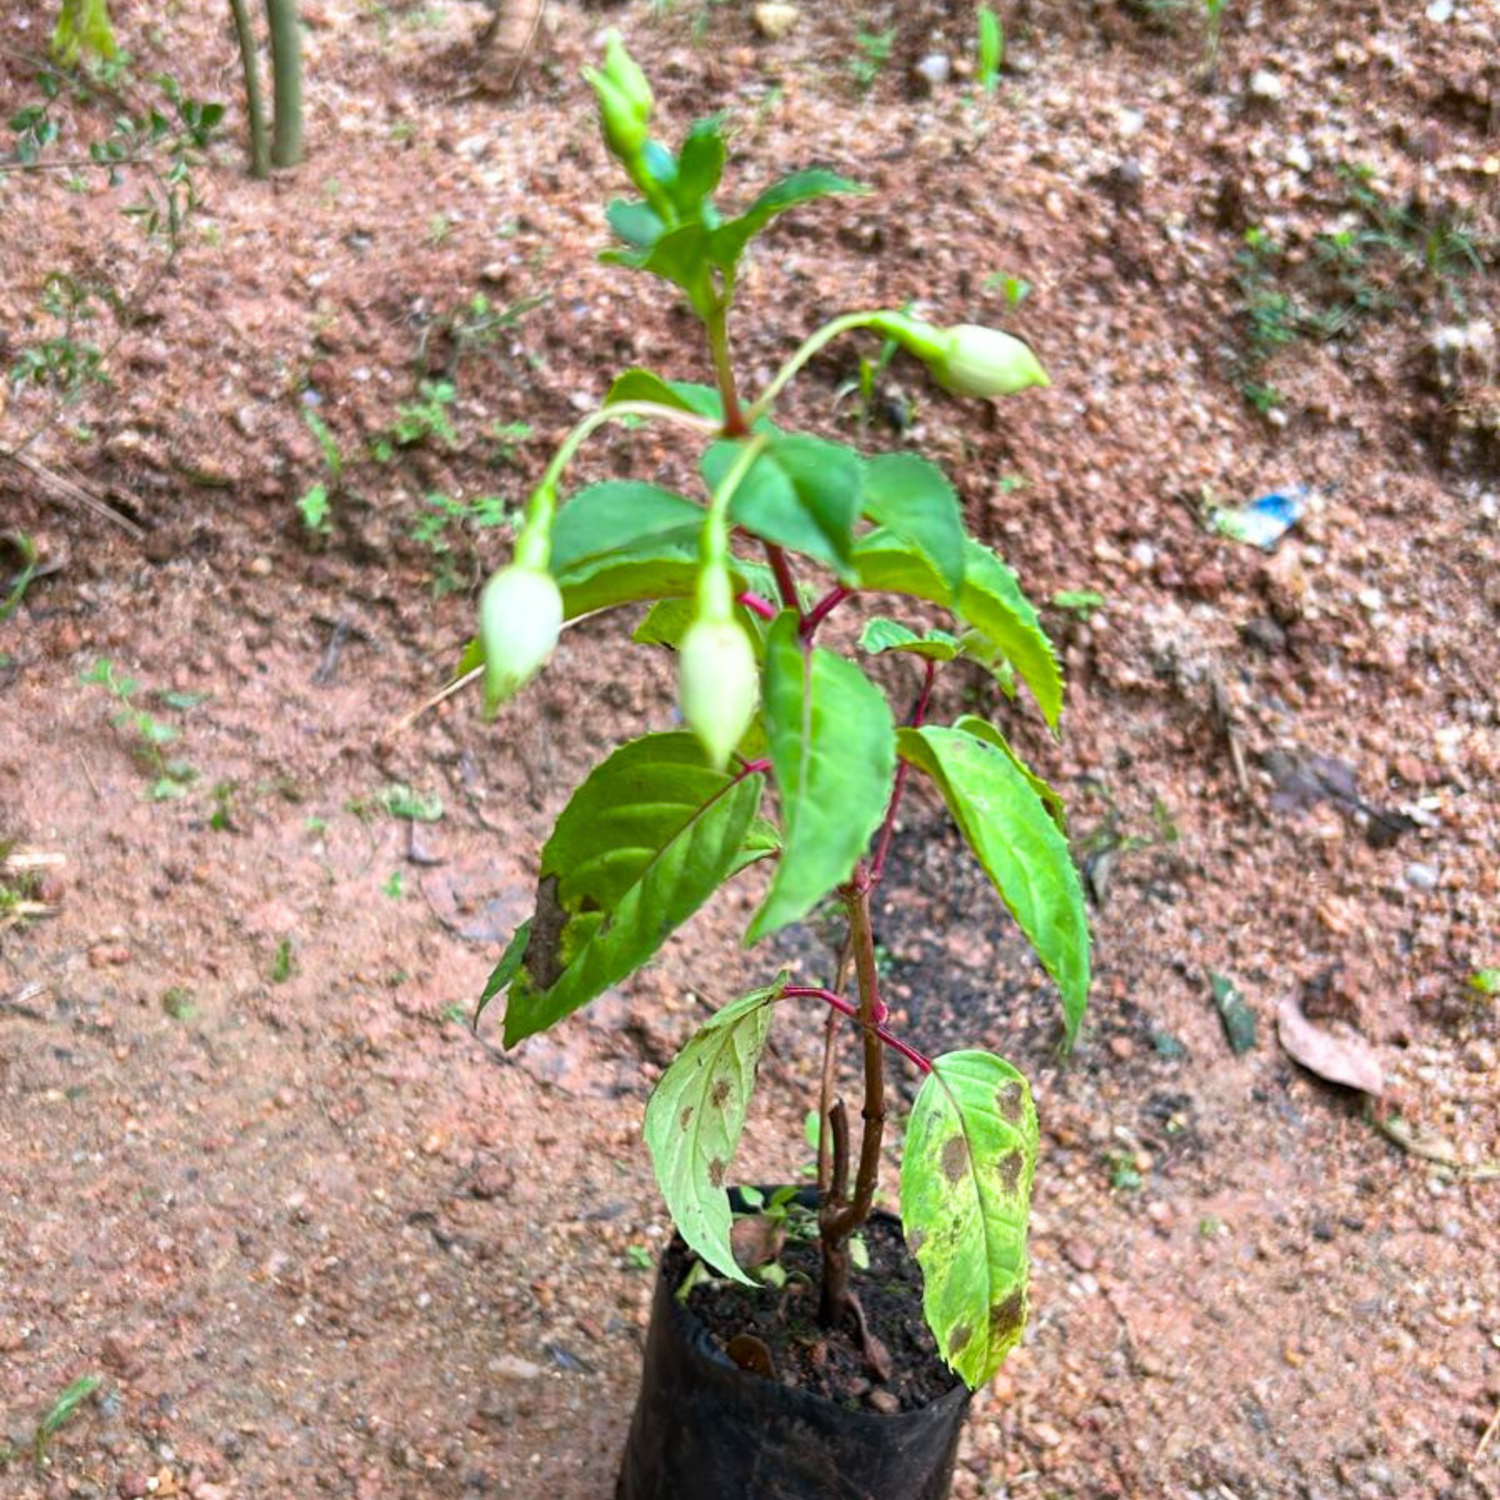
(700, 164)
(616, 514)
(881, 634)
(680, 256)
(802, 493)
(1004, 821)
(761, 842)
(913, 498)
(646, 839)
(623, 540)
(661, 567)
(979, 648)
(990, 600)
(694, 1120)
(966, 1174)
(471, 658)
(833, 751)
(506, 970)
(1051, 798)
(1236, 1017)
(728, 242)
(667, 621)
(635, 223)
(683, 395)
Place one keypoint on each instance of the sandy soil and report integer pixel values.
(317, 1238)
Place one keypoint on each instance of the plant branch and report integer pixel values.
(888, 828)
(838, 1128)
(619, 412)
(823, 608)
(717, 324)
(826, 1081)
(918, 1060)
(756, 605)
(786, 580)
(824, 336)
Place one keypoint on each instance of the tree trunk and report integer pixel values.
(286, 76)
(260, 154)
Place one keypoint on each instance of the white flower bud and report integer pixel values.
(978, 361)
(520, 615)
(718, 684)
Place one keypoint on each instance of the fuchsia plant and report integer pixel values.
(669, 817)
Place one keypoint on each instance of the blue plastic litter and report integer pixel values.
(1266, 519)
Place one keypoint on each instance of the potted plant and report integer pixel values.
(773, 720)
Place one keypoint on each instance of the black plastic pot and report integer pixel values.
(704, 1429)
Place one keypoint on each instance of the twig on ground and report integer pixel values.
(20, 1003)
(1484, 1438)
(72, 492)
(1440, 1152)
(1226, 725)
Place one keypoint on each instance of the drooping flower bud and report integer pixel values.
(520, 615)
(978, 361)
(718, 685)
(967, 359)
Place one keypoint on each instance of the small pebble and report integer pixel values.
(1267, 85)
(935, 69)
(1420, 877)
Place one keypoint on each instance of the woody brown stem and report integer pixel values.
(837, 1219)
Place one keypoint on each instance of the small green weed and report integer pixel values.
(1016, 289)
(1080, 602)
(446, 522)
(417, 421)
(401, 802)
(177, 1002)
(872, 53)
(989, 50)
(171, 777)
(283, 963)
(60, 1413)
(25, 549)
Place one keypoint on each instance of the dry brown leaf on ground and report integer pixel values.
(1341, 1057)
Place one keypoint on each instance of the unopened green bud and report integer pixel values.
(624, 131)
(625, 100)
(978, 361)
(622, 71)
(520, 615)
(718, 685)
(968, 359)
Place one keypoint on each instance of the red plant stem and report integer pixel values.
(786, 580)
(888, 828)
(757, 606)
(753, 768)
(847, 1008)
(823, 608)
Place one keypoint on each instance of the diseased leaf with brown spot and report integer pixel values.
(653, 831)
(955, 1158)
(1009, 1169)
(694, 1120)
(965, 1195)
